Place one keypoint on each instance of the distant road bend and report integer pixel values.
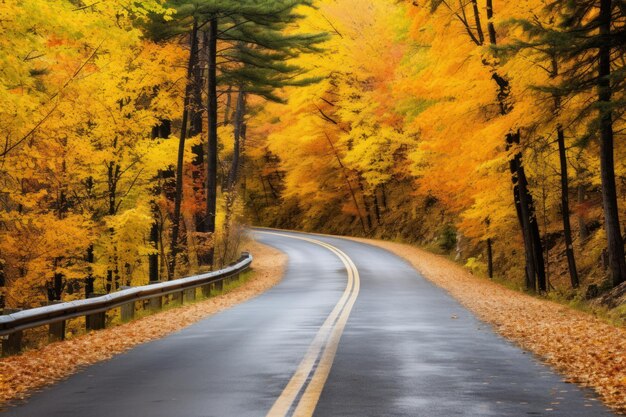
(352, 330)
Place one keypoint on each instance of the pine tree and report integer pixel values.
(586, 37)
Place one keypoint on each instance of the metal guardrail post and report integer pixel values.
(219, 286)
(95, 321)
(12, 343)
(127, 311)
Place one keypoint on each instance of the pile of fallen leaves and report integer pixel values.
(21, 374)
(586, 350)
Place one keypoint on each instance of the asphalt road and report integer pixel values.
(352, 330)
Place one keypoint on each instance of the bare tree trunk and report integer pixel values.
(523, 200)
(567, 228)
(211, 178)
(238, 130)
(89, 280)
(175, 248)
(229, 99)
(376, 208)
(583, 231)
(366, 205)
(162, 130)
(615, 247)
(524, 204)
(489, 258)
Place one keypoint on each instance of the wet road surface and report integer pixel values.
(352, 330)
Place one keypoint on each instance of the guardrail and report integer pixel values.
(94, 309)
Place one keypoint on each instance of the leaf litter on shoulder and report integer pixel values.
(22, 374)
(585, 350)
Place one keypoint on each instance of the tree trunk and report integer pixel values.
(366, 205)
(162, 130)
(229, 98)
(89, 279)
(181, 153)
(238, 130)
(490, 27)
(211, 178)
(153, 258)
(195, 129)
(615, 247)
(376, 208)
(567, 229)
(489, 258)
(524, 205)
(583, 231)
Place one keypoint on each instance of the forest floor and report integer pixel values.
(22, 374)
(584, 349)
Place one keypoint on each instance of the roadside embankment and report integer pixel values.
(584, 349)
(34, 369)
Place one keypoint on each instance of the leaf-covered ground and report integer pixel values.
(21, 375)
(584, 349)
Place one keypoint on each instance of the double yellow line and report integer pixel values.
(302, 393)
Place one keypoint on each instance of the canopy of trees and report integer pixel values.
(484, 128)
(138, 137)
(112, 172)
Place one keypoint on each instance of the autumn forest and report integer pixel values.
(141, 138)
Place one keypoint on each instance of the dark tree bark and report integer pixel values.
(524, 204)
(238, 131)
(366, 204)
(195, 128)
(479, 26)
(178, 197)
(162, 130)
(615, 247)
(211, 177)
(583, 230)
(384, 196)
(377, 208)
(567, 229)
(490, 27)
(490, 257)
(229, 98)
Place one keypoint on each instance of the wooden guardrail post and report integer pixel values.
(189, 295)
(12, 343)
(95, 321)
(177, 297)
(155, 303)
(56, 330)
(127, 311)
(94, 311)
(206, 291)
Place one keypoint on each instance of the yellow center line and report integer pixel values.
(325, 343)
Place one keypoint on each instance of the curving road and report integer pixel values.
(352, 330)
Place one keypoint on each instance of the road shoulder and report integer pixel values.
(584, 349)
(22, 374)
